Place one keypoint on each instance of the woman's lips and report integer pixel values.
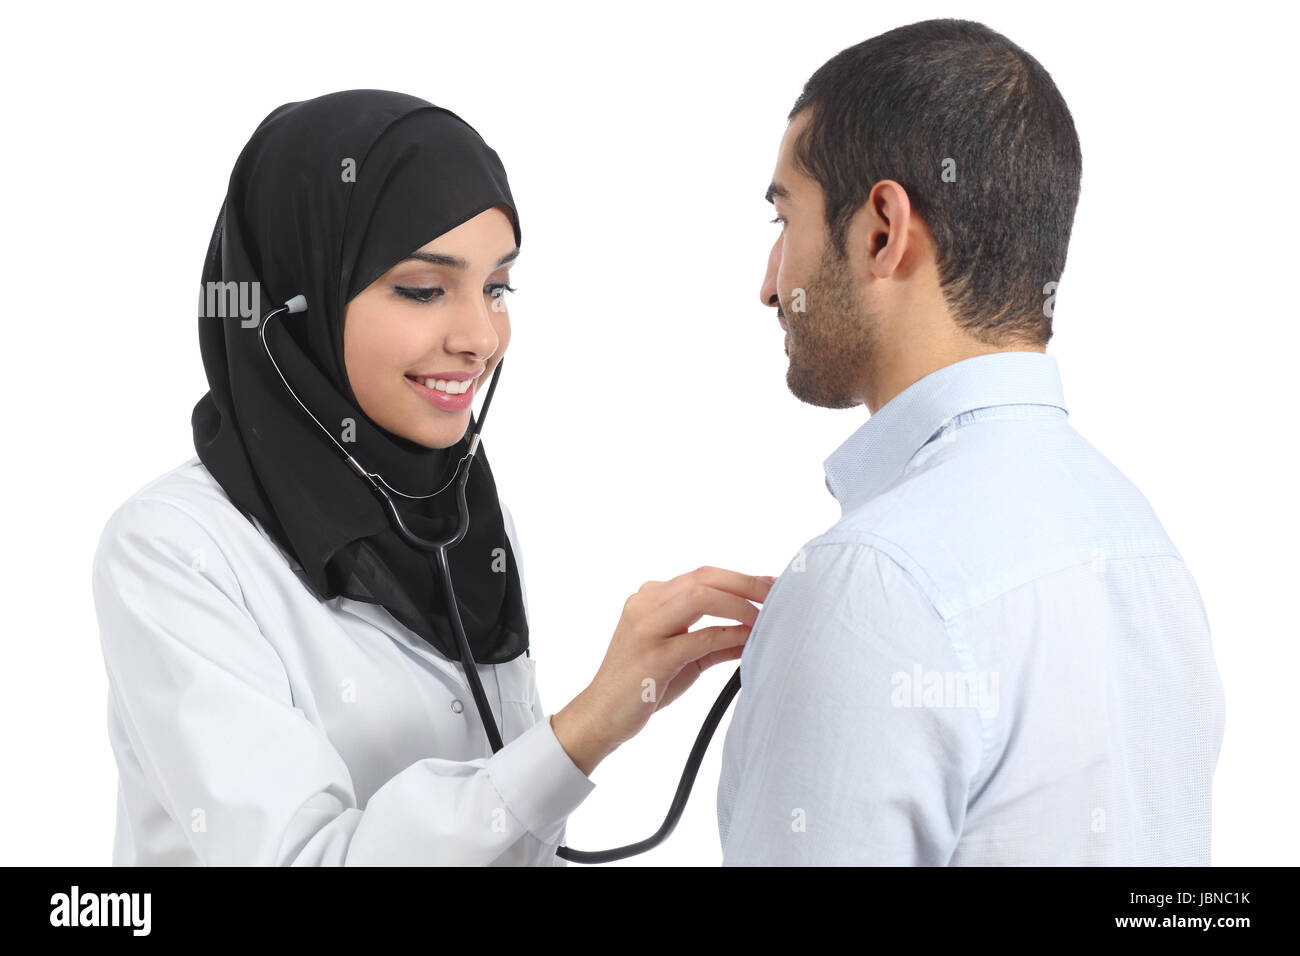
(443, 400)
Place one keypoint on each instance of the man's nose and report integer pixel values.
(767, 294)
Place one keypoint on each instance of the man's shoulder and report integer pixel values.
(998, 505)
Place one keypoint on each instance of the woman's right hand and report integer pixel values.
(652, 658)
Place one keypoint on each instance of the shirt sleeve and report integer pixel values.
(207, 710)
(844, 749)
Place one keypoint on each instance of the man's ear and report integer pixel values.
(880, 234)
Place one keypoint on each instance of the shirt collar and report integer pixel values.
(876, 453)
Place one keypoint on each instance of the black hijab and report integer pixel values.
(328, 195)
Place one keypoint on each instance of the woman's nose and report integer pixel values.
(473, 331)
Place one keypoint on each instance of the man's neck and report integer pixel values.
(911, 362)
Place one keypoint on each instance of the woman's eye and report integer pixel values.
(426, 294)
(779, 220)
(498, 290)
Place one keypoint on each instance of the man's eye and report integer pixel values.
(426, 294)
(779, 220)
(498, 290)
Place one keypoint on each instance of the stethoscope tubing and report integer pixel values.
(440, 548)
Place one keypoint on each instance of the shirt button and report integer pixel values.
(457, 706)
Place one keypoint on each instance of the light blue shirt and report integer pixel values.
(996, 656)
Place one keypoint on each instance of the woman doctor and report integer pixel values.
(285, 686)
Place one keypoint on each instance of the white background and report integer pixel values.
(644, 427)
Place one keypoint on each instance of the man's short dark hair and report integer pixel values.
(956, 96)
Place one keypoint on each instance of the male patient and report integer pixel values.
(996, 655)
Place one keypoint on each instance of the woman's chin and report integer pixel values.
(423, 425)
(441, 437)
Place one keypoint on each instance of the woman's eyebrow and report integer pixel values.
(456, 262)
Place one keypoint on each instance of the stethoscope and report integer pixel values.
(440, 548)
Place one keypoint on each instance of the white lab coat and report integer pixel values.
(253, 724)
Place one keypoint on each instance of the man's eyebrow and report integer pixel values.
(777, 190)
(456, 262)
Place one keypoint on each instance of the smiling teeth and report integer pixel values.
(450, 386)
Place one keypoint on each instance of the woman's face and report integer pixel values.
(438, 315)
